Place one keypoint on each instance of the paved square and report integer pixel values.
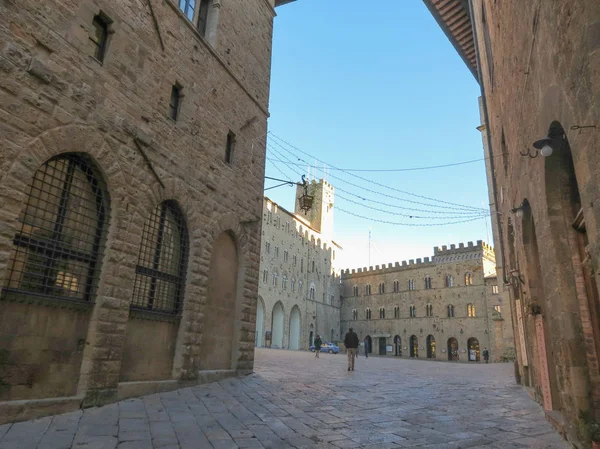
(296, 401)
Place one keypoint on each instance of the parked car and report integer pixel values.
(327, 347)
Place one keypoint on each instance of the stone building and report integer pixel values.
(299, 290)
(447, 307)
(131, 176)
(538, 65)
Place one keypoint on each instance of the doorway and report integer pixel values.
(382, 344)
(277, 325)
(369, 349)
(294, 343)
(453, 349)
(473, 345)
(430, 347)
(414, 346)
(397, 346)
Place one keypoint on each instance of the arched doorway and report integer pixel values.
(414, 346)
(370, 344)
(220, 309)
(397, 346)
(259, 339)
(453, 349)
(473, 345)
(277, 323)
(430, 347)
(294, 342)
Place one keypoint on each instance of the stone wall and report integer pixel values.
(56, 98)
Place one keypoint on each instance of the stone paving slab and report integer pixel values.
(298, 402)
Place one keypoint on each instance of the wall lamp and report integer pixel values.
(541, 146)
(519, 211)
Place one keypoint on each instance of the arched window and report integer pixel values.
(284, 282)
(381, 288)
(275, 279)
(266, 276)
(449, 281)
(313, 266)
(411, 284)
(427, 282)
(396, 286)
(429, 310)
(471, 310)
(355, 314)
(355, 290)
(268, 247)
(468, 279)
(285, 255)
(450, 311)
(397, 312)
(299, 286)
(381, 313)
(293, 284)
(294, 260)
(160, 271)
(368, 314)
(58, 248)
(312, 292)
(413, 312)
(301, 265)
(368, 289)
(277, 251)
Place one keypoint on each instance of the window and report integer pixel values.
(160, 271)
(175, 101)
(268, 247)
(397, 312)
(285, 255)
(470, 310)
(293, 284)
(381, 288)
(265, 276)
(302, 266)
(427, 282)
(368, 314)
(381, 313)
(396, 286)
(450, 311)
(368, 289)
(355, 314)
(299, 286)
(498, 309)
(58, 249)
(468, 279)
(429, 310)
(331, 299)
(313, 266)
(287, 226)
(277, 251)
(269, 217)
(99, 36)
(355, 290)
(494, 289)
(229, 147)
(294, 260)
(412, 311)
(284, 282)
(203, 15)
(449, 281)
(274, 279)
(187, 7)
(411, 284)
(312, 292)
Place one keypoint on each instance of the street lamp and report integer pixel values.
(544, 146)
(305, 200)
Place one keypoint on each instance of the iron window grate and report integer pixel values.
(57, 250)
(160, 271)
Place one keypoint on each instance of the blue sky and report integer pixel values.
(378, 87)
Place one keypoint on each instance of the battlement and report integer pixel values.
(441, 254)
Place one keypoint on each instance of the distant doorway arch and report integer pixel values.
(369, 344)
(452, 349)
(260, 324)
(397, 346)
(414, 346)
(277, 323)
(473, 345)
(430, 347)
(294, 342)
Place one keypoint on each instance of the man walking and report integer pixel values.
(318, 344)
(351, 343)
(486, 355)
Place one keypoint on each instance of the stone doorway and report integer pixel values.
(382, 346)
(430, 347)
(277, 324)
(474, 353)
(397, 346)
(414, 346)
(294, 343)
(453, 349)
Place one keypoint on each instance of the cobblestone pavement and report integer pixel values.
(297, 401)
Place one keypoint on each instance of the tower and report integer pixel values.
(320, 215)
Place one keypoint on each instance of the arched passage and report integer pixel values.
(452, 349)
(430, 347)
(369, 343)
(259, 339)
(473, 346)
(217, 338)
(397, 346)
(294, 341)
(414, 346)
(277, 323)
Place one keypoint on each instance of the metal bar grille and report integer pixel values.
(57, 249)
(160, 271)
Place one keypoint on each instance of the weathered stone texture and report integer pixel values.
(56, 98)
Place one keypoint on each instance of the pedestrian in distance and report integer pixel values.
(351, 343)
(318, 344)
(366, 341)
(486, 355)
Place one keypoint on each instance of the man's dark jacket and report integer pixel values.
(351, 340)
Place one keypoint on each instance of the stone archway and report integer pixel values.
(453, 349)
(369, 350)
(414, 346)
(474, 350)
(220, 309)
(397, 345)
(294, 338)
(259, 339)
(277, 326)
(430, 347)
